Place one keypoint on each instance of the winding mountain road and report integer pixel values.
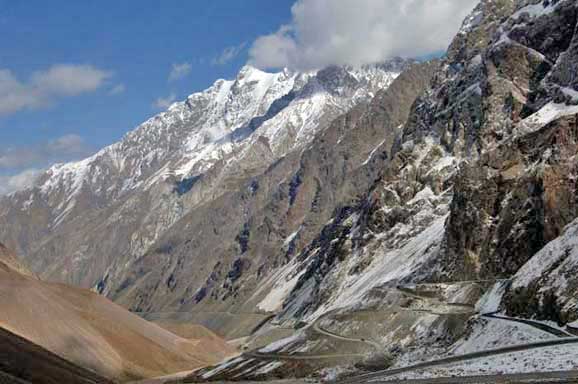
(371, 377)
(563, 338)
(454, 309)
(316, 327)
(536, 324)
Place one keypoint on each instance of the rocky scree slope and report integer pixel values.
(84, 222)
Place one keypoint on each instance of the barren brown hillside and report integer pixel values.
(91, 331)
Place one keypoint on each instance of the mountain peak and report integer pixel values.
(192, 146)
(248, 73)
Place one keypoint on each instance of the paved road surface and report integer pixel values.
(564, 377)
(536, 324)
(371, 377)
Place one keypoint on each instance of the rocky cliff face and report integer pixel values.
(482, 176)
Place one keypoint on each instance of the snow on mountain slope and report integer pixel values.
(546, 287)
(246, 236)
(141, 185)
(188, 130)
(556, 258)
(191, 135)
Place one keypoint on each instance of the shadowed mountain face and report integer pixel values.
(22, 362)
(92, 332)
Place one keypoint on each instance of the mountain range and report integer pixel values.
(290, 212)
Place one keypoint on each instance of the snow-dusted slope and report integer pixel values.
(231, 130)
(546, 287)
(558, 259)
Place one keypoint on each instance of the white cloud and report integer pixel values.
(45, 87)
(117, 89)
(228, 54)
(178, 71)
(69, 80)
(20, 166)
(18, 181)
(15, 96)
(355, 32)
(164, 102)
(67, 144)
(64, 148)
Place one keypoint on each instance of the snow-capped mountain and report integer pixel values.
(229, 132)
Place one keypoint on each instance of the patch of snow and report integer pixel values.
(496, 333)
(504, 39)
(283, 282)
(268, 368)
(490, 302)
(570, 92)
(550, 359)
(333, 373)
(425, 194)
(222, 367)
(535, 10)
(408, 145)
(373, 153)
(291, 237)
(391, 265)
(556, 257)
(476, 61)
(28, 203)
(279, 345)
(549, 113)
(472, 21)
(421, 152)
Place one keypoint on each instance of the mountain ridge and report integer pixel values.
(175, 151)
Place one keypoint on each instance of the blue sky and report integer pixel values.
(76, 75)
(136, 43)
